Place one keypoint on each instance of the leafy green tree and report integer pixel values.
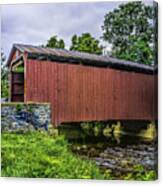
(130, 30)
(4, 77)
(86, 43)
(54, 42)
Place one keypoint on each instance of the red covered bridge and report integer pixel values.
(83, 87)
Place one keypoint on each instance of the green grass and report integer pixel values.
(43, 156)
(46, 155)
(141, 174)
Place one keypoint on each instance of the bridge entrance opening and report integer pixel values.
(17, 82)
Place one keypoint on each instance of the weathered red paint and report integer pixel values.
(84, 93)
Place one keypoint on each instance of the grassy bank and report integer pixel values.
(41, 155)
(44, 155)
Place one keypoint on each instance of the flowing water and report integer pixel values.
(118, 154)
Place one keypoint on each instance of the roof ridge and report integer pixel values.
(64, 49)
(65, 55)
(80, 52)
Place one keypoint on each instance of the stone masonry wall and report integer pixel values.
(25, 116)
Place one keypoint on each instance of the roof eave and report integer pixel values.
(14, 48)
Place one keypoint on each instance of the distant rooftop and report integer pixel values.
(63, 55)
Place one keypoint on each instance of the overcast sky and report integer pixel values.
(36, 23)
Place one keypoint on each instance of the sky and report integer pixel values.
(36, 23)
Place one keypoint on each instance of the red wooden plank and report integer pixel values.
(82, 93)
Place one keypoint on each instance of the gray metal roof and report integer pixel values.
(62, 55)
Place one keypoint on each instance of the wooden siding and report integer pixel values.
(84, 93)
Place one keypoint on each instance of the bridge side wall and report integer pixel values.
(85, 93)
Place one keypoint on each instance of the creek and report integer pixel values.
(118, 154)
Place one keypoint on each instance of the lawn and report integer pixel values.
(41, 155)
(45, 155)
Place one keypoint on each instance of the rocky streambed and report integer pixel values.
(123, 160)
(122, 157)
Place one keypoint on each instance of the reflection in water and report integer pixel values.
(119, 151)
(150, 133)
(117, 132)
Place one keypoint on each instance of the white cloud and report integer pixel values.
(36, 23)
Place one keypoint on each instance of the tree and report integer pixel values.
(54, 42)
(130, 30)
(86, 43)
(4, 77)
